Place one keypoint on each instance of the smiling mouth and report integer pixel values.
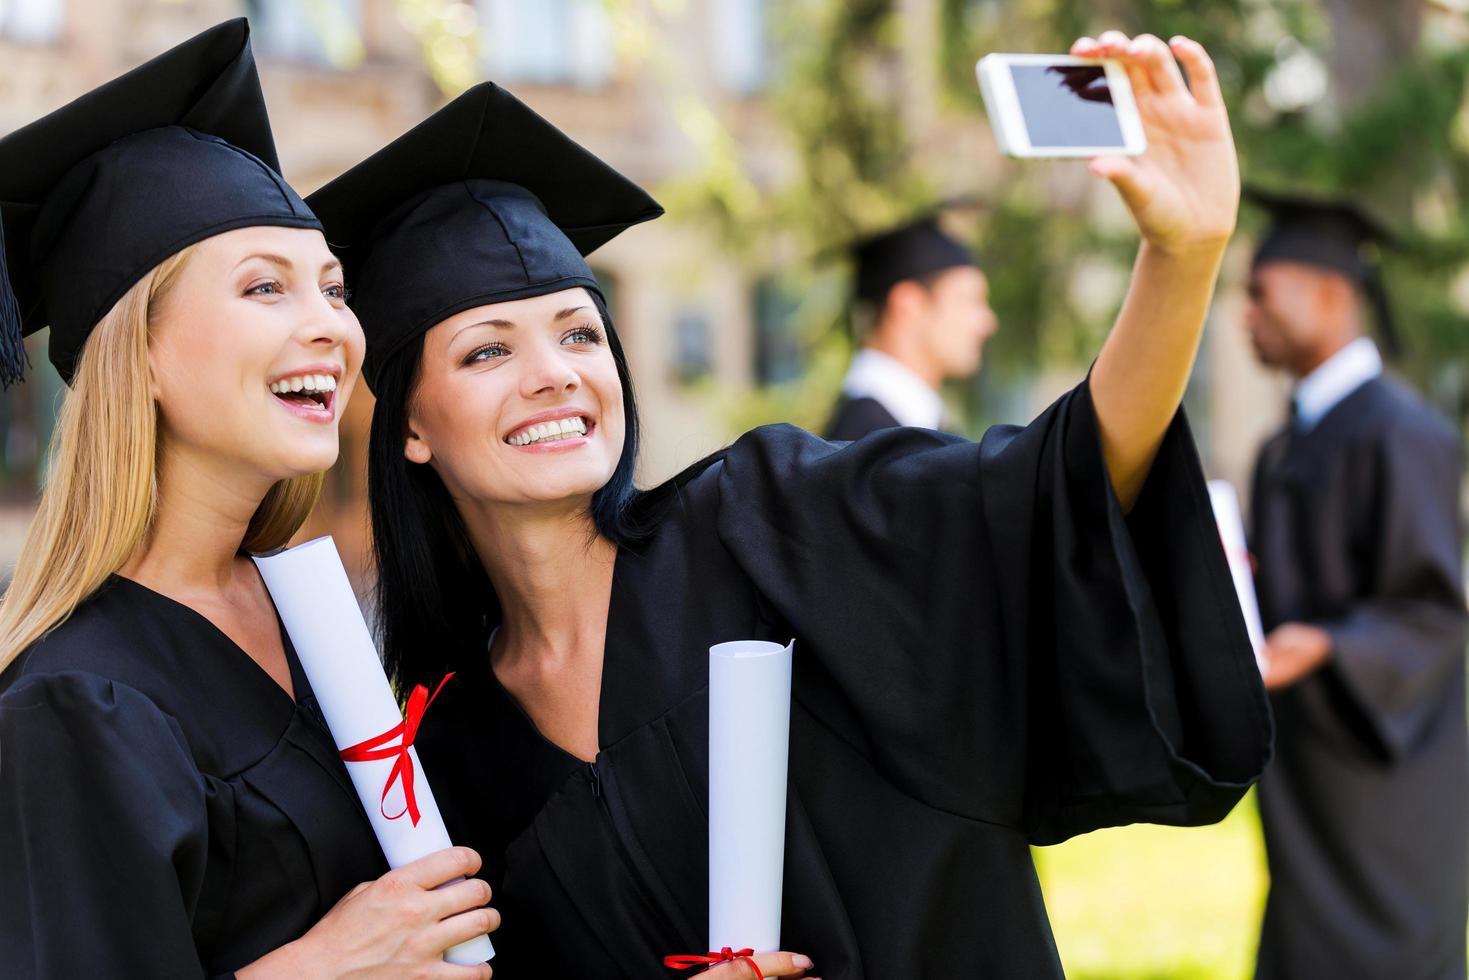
(555, 430)
(306, 391)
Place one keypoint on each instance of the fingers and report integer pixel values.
(434, 869)
(1126, 176)
(460, 929)
(734, 970)
(1155, 58)
(1203, 79)
(783, 964)
(1115, 44)
(448, 971)
(768, 964)
(458, 897)
(1150, 63)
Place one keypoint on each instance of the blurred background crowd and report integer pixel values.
(775, 133)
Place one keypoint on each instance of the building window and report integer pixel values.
(779, 353)
(548, 42)
(737, 44)
(693, 347)
(320, 32)
(30, 21)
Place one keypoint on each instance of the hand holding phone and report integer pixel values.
(1183, 186)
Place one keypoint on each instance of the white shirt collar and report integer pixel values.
(904, 394)
(1337, 377)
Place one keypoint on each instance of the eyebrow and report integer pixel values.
(331, 265)
(570, 311)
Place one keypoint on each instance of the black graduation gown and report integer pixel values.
(1366, 806)
(987, 655)
(166, 810)
(853, 418)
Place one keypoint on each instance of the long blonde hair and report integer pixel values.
(101, 493)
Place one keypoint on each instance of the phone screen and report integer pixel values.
(1067, 105)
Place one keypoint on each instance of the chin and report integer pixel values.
(302, 461)
(567, 486)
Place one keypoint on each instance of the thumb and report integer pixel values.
(1126, 176)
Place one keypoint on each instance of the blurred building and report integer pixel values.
(345, 76)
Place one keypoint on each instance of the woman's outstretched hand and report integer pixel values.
(1184, 190)
(1184, 194)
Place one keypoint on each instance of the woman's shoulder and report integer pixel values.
(100, 637)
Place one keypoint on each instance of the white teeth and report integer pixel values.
(316, 383)
(549, 431)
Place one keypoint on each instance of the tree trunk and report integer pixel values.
(1371, 39)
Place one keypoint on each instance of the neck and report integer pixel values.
(901, 348)
(1313, 359)
(552, 573)
(200, 523)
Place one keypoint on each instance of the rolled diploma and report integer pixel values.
(749, 752)
(1232, 533)
(315, 600)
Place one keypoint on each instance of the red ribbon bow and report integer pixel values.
(377, 748)
(725, 955)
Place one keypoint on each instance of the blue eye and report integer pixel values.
(487, 352)
(271, 288)
(583, 335)
(335, 291)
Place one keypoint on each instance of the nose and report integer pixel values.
(991, 323)
(327, 325)
(546, 370)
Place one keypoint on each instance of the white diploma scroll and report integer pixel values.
(315, 600)
(749, 754)
(1232, 533)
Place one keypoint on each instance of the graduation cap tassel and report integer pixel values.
(12, 343)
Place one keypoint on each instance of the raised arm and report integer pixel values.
(1184, 194)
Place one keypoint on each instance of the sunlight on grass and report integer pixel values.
(1158, 903)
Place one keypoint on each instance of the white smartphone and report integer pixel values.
(1054, 105)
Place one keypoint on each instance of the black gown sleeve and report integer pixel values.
(1396, 648)
(983, 623)
(103, 833)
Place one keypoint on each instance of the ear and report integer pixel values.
(907, 299)
(415, 449)
(1339, 294)
(154, 390)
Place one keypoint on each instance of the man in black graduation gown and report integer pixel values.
(1358, 542)
(930, 314)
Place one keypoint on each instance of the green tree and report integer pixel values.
(1346, 97)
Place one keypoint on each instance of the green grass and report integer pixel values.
(1158, 903)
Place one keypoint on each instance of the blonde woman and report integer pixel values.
(171, 804)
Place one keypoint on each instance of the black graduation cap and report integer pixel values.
(103, 189)
(913, 250)
(1331, 234)
(482, 202)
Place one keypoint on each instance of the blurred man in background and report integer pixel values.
(930, 316)
(1359, 548)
